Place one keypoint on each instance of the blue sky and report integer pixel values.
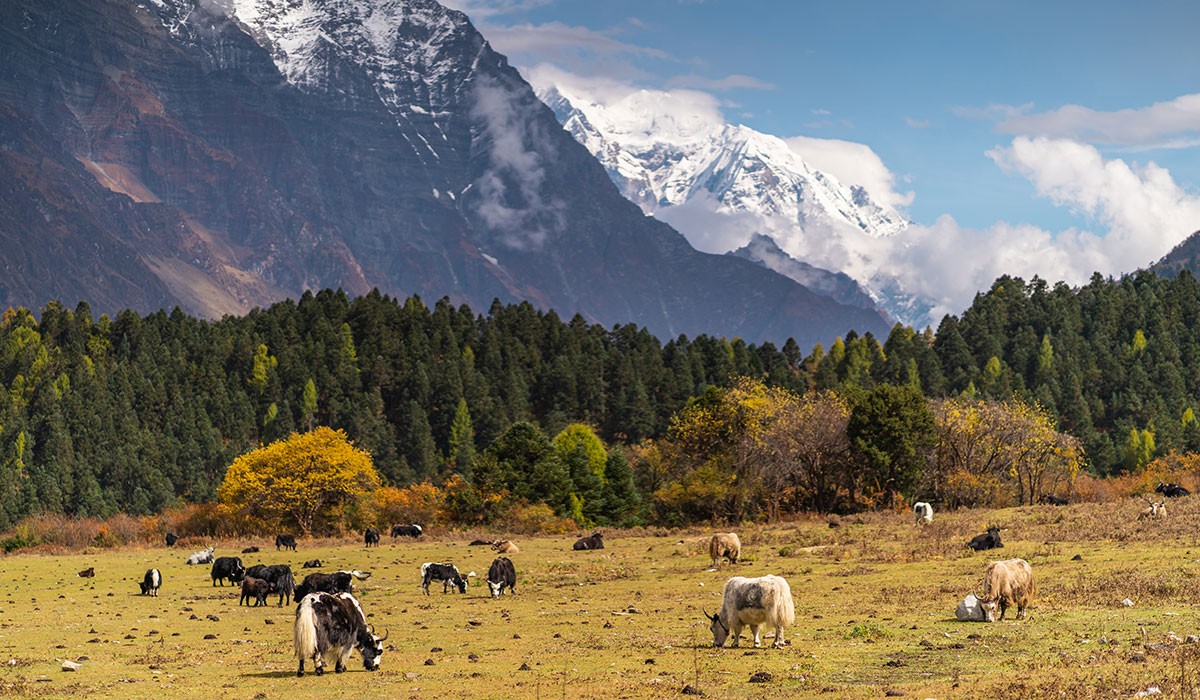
(1069, 129)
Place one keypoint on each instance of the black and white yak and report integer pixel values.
(413, 530)
(278, 575)
(204, 556)
(329, 628)
(151, 582)
(501, 575)
(228, 568)
(595, 541)
(446, 573)
(988, 540)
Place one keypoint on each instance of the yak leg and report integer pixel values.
(1003, 608)
(342, 659)
(757, 630)
(778, 638)
(735, 630)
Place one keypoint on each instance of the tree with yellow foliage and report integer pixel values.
(312, 480)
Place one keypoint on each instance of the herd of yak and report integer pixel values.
(330, 624)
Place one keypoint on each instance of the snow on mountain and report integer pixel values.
(724, 185)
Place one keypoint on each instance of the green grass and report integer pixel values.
(874, 598)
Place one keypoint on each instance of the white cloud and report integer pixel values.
(729, 82)
(1142, 211)
(1174, 123)
(992, 111)
(483, 9)
(853, 164)
(510, 192)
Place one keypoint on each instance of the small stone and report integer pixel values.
(691, 690)
(473, 658)
(524, 667)
(212, 617)
(608, 625)
(130, 636)
(268, 621)
(210, 636)
(1077, 557)
(1137, 657)
(94, 640)
(193, 617)
(516, 636)
(1127, 603)
(71, 666)
(894, 694)
(428, 662)
(649, 662)
(761, 677)
(435, 649)
(926, 643)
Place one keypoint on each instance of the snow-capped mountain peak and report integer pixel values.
(725, 186)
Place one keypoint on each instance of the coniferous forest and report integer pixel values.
(138, 413)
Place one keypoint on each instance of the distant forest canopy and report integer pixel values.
(136, 413)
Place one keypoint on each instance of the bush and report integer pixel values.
(537, 519)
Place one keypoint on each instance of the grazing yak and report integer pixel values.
(596, 541)
(337, 582)
(312, 564)
(250, 550)
(204, 556)
(172, 538)
(446, 573)
(257, 589)
(151, 582)
(724, 544)
(988, 540)
(279, 576)
(413, 530)
(330, 627)
(285, 542)
(371, 537)
(922, 513)
(505, 547)
(757, 602)
(228, 568)
(1052, 500)
(1005, 584)
(89, 572)
(502, 574)
(1171, 490)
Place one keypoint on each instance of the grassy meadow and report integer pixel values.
(875, 601)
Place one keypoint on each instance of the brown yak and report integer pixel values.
(1005, 584)
(724, 544)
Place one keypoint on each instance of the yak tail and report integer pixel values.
(782, 608)
(305, 633)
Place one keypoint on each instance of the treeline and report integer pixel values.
(136, 413)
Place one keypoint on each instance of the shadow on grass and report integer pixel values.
(272, 674)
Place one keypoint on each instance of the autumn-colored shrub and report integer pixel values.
(312, 481)
(421, 503)
(964, 489)
(537, 519)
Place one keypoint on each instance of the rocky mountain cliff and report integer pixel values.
(222, 154)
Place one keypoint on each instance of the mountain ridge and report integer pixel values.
(342, 157)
